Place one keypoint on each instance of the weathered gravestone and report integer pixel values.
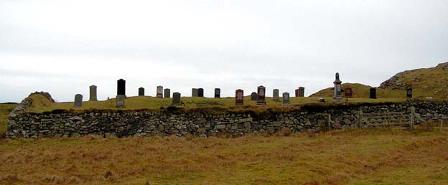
(194, 92)
(159, 93)
(301, 92)
(176, 98)
(276, 95)
(239, 97)
(253, 96)
(261, 98)
(285, 98)
(337, 94)
(409, 93)
(93, 93)
(167, 93)
(119, 101)
(141, 91)
(200, 92)
(217, 93)
(372, 93)
(348, 92)
(121, 87)
(78, 100)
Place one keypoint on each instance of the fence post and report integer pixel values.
(360, 114)
(412, 120)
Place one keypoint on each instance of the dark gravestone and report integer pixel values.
(253, 96)
(194, 92)
(261, 92)
(93, 93)
(176, 98)
(200, 92)
(409, 93)
(296, 92)
(217, 93)
(119, 101)
(337, 94)
(167, 93)
(141, 91)
(239, 97)
(78, 100)
(121, 87)
(372, 93)
(159, 93)
(276, 95)
(285, 98)
(301, 92)
(348, 92)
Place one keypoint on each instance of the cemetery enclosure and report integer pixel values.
(206, 123)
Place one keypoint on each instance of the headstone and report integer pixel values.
(176, 98)
(409, 93)
(119, 101)
(348, 92)
(296, 92)
(337, 94)
(253, 96)
(217, 93)
(301, 92)
(200, 92)
(261, 92)
(93, 93)
(78, 100)
(141, 91)
(194, 92)
(167, 93)
(239, 97)
(159, 93)
(275, 95)
(285, 98)
(121, 87)
(372, 93)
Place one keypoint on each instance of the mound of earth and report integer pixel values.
(426, 82)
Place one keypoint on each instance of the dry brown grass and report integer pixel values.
(343, 157)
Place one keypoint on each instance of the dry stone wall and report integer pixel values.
(210, 123)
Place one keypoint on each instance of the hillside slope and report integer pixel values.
(362, 91)
(431, 82)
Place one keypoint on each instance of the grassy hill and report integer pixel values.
(431, 82)
(426, 82)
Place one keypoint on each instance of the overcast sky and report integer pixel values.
(64, 46)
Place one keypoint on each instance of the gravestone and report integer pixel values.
(296, 92)
(409, 93)
(167, 93)
(301, 92)
(93, 93)
(253, 96)
(372, 93)
(217, 93)
(337, 94)
(119, 101)
(194, 92)
(285, 98)
(261, 92)
(200, 92)
(348, 92)
(121, 87)
(276, 95)
(239, 97)
(176, 98)
(159, 93)
(78, 100)
(141, 91)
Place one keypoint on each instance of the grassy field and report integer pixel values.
(4, 111)
(339, 157)
(41, 104)
(345, 157)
